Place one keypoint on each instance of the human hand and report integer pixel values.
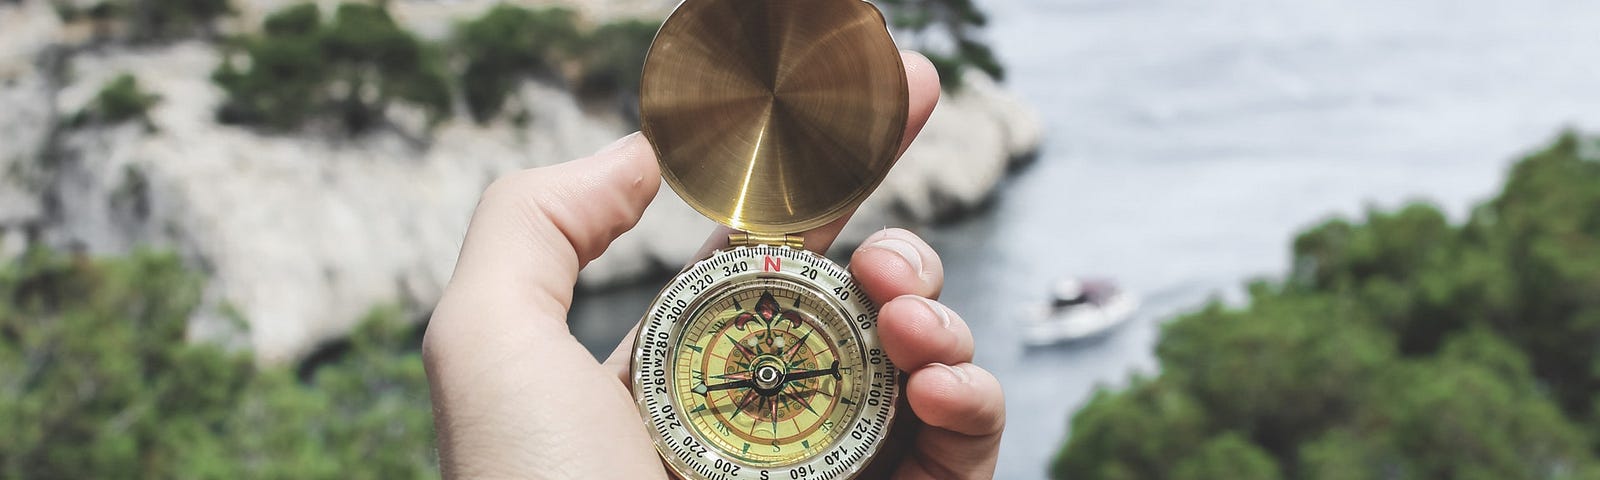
(516, 396)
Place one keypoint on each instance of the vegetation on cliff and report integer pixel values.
(301, 71)
(120, 100)
(509, 44)
(946, 31)
(351, 69)
(1401, 346)
(146, 21)
(96, 381)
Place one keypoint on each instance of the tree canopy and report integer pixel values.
(1398, 347)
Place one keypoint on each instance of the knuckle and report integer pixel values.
(519, 187)
(435, 337)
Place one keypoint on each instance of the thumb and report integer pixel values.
(534, 229)
(498, 340)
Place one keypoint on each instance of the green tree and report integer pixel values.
(1400, 346)
(508, 44)
(1277, 370)
(613, 57)
(1136, 434)
(147, 21)
(350, 70)
(1474, 412)
(285, 81)
(1227, 456)
(1547, 221)
(156, 20)
(97, 381)
(946, 31)
(376, 62)
(363, 415)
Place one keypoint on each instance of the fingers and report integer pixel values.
(961, 404)
(903, 274)
(965, 409)
(917, 331)
(922, 87)
(895, 262)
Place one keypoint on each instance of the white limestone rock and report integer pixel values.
(301, 234)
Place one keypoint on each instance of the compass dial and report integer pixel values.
(763, 362)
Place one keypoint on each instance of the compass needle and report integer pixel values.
(773, 118)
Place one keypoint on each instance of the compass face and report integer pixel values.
(763, 362)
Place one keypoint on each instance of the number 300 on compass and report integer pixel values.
(763, 362)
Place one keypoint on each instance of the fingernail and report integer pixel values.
(938, 311)
(617, 144)
(904, 249)
(959, 374)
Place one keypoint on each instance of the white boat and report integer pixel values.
(1080, 309)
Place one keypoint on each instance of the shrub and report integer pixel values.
(955, 45)
(120, 100)
(508, 43)
(613, 57)
(150, 20)
(349, 70)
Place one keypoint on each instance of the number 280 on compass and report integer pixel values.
(763, 362)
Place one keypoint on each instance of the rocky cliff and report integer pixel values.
(301, 234)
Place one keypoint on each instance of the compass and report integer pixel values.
(772, 117)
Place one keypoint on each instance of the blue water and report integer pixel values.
(1188, 141)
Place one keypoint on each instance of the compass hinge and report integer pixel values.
(742, 239)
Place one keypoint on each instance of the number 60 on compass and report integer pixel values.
(772, 117)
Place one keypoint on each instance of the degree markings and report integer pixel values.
(691, 455)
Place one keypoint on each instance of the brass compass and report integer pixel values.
(772, 117)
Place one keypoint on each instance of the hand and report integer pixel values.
(516, 396)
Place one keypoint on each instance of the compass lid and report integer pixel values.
(774, 116)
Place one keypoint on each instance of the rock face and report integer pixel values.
(301, 235)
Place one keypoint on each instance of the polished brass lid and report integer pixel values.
(774, 116)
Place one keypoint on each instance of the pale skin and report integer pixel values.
(516, 396)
